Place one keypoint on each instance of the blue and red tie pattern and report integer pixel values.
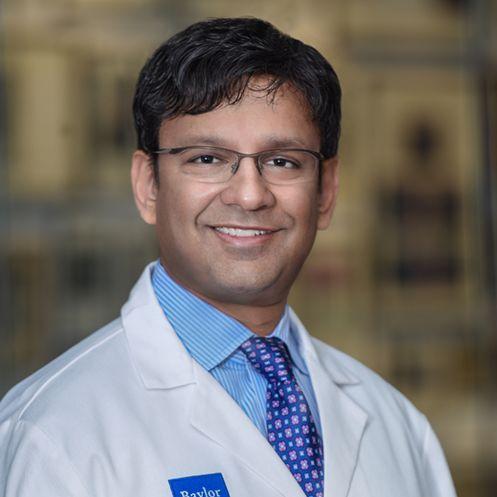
(290, 426)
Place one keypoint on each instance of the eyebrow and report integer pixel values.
(270, 142)
(287, 141)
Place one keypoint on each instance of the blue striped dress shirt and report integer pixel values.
(213, 339)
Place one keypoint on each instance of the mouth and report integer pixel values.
(244, 237)
(240, 232)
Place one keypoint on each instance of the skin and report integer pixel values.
(248, 278)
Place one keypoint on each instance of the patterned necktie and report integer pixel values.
(290, 425)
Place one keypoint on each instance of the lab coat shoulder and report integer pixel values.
(60, 379)
(394, 424)
(37, 413)
(33, 464)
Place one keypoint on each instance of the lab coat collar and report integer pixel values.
(151, 336)
(343, 421)
(157, 353)
(338, 373)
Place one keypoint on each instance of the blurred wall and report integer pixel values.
(404, 279)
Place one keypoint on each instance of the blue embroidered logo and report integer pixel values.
(199, 486)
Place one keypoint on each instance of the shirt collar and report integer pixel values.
(209, 335)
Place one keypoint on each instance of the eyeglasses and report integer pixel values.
(218, 165)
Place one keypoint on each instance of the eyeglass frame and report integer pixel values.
(240, 155)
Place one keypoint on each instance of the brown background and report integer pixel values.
(404, 279)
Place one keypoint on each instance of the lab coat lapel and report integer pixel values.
(160, 358)
(343, 421)
(218, 417)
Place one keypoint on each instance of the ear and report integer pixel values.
(328, 192)
(144, 186)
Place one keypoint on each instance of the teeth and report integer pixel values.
(240, 232)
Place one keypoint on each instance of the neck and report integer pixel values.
(261, 320)
(258, 318)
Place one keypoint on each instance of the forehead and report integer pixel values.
(257, 121)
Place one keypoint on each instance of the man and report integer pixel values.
(207, 384)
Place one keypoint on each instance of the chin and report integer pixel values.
(246, 289)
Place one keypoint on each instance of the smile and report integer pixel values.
(241, 232)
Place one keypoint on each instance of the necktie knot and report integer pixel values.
(270, 357)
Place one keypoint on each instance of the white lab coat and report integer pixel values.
(128, 409)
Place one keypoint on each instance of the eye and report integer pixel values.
(205, 159)
(282, 162)
(200, 156)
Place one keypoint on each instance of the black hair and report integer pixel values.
(212, 62)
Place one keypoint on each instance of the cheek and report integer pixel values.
(180, 203)
(171, 213)
(303, 209)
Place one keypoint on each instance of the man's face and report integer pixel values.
(190, 216)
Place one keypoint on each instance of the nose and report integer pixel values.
(247, 188)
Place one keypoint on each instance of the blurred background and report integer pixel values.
(405, 278)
